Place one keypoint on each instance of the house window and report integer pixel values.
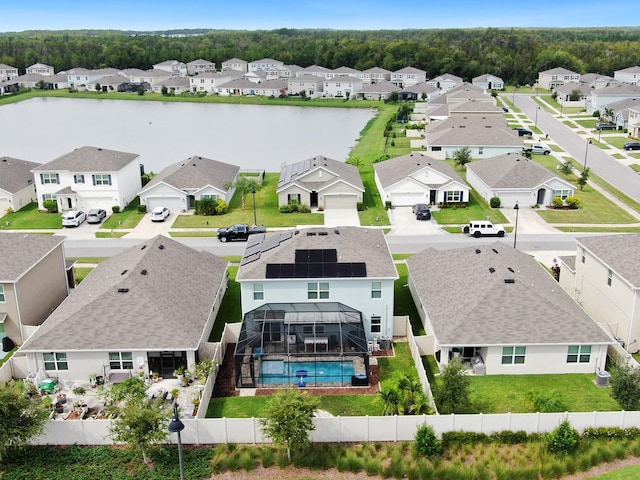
(121, 360)
(318, 290)
(208, 197)
(293, 198)
(563, 194)
(583, 257)
(2, 297)
(376, 289)
(101, 179)
(55, 361)
(609, 277)
(258, 291)
(579, 354)
(513, 355)
(453, 196)
(78, 178)
(376, 324)
(436, 149)
(480, 150)
(49, 178)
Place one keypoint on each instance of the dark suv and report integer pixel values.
(423, 214)
(523, 132)
(605, 126)
(419, 206)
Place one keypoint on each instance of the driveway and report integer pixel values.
(148, 229)
(338, 217)
(404, 223)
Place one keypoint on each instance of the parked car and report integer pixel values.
(159, 214)
(423, 214)
(523, 132)
(239, 231)
(419, 206)
(96, 215)
(605, 126)
(632, 146)
(481, 228)
(537, 149)
(73, 218)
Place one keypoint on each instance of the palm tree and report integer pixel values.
(410, 387)
(244, 185)
(391, 399)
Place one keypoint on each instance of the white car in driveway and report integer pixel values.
(159, 214)
(73, 218)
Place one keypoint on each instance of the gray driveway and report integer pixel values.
(404, 223)
(336, 217)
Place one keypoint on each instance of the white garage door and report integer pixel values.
(407, 199)
(340, 201)
(175, 204)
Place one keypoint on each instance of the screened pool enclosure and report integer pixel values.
(302, 344)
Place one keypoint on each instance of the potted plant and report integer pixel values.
(58, 408)
(79, 391)
(175, 393)
(154, 376)
(46, 402)
(62, 398)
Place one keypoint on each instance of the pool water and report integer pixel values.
(279, 371)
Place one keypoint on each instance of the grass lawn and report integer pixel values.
(127, 218)
(29, 217)
(111, 234)
(619, 156)
(634, 155)
(622, 474)
(88, 259)
(610, 230)
(230, 309)
(403, 302)
(587, 122)
(635, 167)
(476, 209)
(81, 273)
(556, 148)
(617, 140)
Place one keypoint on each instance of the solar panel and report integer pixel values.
(301, 270)
(253, 249)
(302, 256)
(250, 258)
(286, 235)
(273, 270)
(315, 270)
(286, 270)
(344, 269)
(359, 269)
(330, 270)
(330, 255)
(315, 256)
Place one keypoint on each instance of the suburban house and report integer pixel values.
(446, 82)
(417, 178)
(235, 64)
(604, 278)
(595, 80)
(40, 69)
(378, 91)
(488, 82)
(146, 78)
(573, 94)
(320, 267)
(243, 86)
(310, 84)
(602, 97)
(208, 82)
(176, 85)
(419, 92)
(550, 79)
(33, 282)
(264, 64)
(174, 67)
(199, 66)
(628, 75)
(485, 135)
(7, 72)
(496, 308)
(407, 76)
(352, 72)
(516, 179)
(87, 178)
(634, 121)
(16, 184)
(375, 75)
(320, 182)
(318, 71)
(620, 112)
(178, 186)
(342, 86)
(283, 71)
(81, 77)
(148, 309)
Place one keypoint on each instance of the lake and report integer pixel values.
(250, 136)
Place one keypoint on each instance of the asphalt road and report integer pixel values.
(600, 162)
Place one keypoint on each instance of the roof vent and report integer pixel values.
(123, 290)
(297, 232)
(509, 280)
(311, 234)
(478, 250)
(124, 271)
(143, 272)
(491, 269)
(495, 251)
(161, 247)
(99, 149)
(511, 270)
(336, 231)
(143, 247)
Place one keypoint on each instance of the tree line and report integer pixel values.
(514, 54)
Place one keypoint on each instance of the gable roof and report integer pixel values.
(89, 159)
(291, 174)
(157, 295)
(511, 170)
(619, 252)
(635, 69)
(397, 169)
(15, 174)
(352, 244)
(532, 310)
(618, 89)
(23, 251)
(489, 130)
(380, 87)
(195, 173)
(410, 71)
(558, 71)
(485, 77)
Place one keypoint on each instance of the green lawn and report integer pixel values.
(403, 303)
(81, 273)
(28, 217)
(127, 218)
(617, 141)
(627, 473)
(231, 308)
(587, 122)
(635, 167)
(110, 234)
(476, 209)
(88, 259)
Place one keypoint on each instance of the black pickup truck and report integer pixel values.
(239, 231)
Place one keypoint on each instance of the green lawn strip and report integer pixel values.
(508, 101)
(128, 218)
(194, 233)
(403, 301)
(569, 124)
(623, 197)
(599, 229)
(587, 123)
(112, 234)
(508, 393)
(233, 258)
(394, 368)
(29, 217)
(88, 259)
(626, 473)
(401, 256)
(634, 155)
(635, 167)
(555, 148)
(231, 308)
(477, 209)
(81, 273)
(619, 156)
(617, 141)
(600, 145)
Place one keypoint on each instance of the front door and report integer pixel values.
(191, 202)
(432, 197)
(314, 199)
(165, 363)
(540, 200)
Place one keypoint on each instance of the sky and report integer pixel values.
(149, 15)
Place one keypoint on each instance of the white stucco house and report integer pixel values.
(7, 72)
(311, 85)
(89, 177)
(381, 90)
(17, 188)
(81, 77)
(174, 67)
(554, 77)
(488, 82)
(235, 64)
(320, 182)
(349, 265)
(407, 76)
(40, 69)
(178, 186)
(628, 75)
(514, 178)
(341, 86)
(495, 303)
(263, 64)
(633, 122)
(375, 75)
(603, 97)
(147, 309)
(208, 82)
(196, 67)
(604, 278)
(446, 82)
(417, 178)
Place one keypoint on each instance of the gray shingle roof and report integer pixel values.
(291, 174)
(171, 290)
(195, 173)
(89, 159)
(618, 89)
(489, 130)
(558, 71)
(620, 252)
(469, 305)
(353, 244)
(396, 169)
(21, 252)
(15, 174)
(510, 171)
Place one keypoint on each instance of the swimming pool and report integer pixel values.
(279, 371)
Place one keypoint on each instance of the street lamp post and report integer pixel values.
(176, 426)
(516, 207)
(253, 192)
(535, 125)
(586, 151)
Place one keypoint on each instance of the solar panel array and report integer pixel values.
(316, 263)
(261, 243)
(292, 170)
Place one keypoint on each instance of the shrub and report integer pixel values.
(142, 208)
(360, 206)
(427, 443)
(303, 208)
(563, 439)
(387, 205)
(573, 201)
(115, 209)
(463, 438)
(495, 202)
(557, 202)
(509, 437)
(222, 207)
(596, 114)
(9, 211)
(547, 401)
(51, 206)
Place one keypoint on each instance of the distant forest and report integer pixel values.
(516, 55)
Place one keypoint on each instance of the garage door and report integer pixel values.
(340, 201)
(175, 204)
(407, 199)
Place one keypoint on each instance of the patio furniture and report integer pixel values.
(311, 344)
